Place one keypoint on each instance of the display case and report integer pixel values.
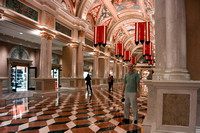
(55, 74)
(18, 78)
(13, 78)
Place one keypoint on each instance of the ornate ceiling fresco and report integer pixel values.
(120, 17)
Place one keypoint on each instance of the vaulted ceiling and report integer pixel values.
(120, 17)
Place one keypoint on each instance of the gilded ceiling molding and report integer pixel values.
(128, 39)
(135, 48)
(123, 21)
(84, 8)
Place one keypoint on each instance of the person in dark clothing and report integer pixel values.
(109, 82)
(112, 79)
(88, 83)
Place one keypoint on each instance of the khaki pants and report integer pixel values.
(130, 99)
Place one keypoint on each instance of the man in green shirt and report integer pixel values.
(130, 88)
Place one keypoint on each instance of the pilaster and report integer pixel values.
(74, 59)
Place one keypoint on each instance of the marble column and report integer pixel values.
(106, 67)
(80, 54)
(115, 70)
(43, 55)
(171, 90)
(120, 69)
(74, 59)
(160, 37)
(49, 55)
(107, 61)
(96, 65)
(45, 83)
(176, 41)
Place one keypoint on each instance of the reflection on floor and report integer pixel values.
(73, 111)
(17, 95)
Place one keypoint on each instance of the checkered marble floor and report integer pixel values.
(74, 111)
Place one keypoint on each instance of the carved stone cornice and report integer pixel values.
(46, 35)
(96, 54)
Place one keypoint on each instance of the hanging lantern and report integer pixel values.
(134, 60)
(127, 55)
(100, 35)
(136, 34)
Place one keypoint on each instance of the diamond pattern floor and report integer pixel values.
(71, 112)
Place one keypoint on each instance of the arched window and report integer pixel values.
(19, 53)
(64, 5)
(55, 59)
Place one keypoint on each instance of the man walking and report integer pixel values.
(130, 88)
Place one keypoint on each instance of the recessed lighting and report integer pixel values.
(21, 33)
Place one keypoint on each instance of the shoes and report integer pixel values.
(135, 121)
(126, 121)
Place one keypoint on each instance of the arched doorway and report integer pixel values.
(19, 69)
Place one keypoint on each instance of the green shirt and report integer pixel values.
(131, 81)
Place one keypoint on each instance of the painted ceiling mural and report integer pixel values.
(130, 28)
(125, 4)
(115, 14)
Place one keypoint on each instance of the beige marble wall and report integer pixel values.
(193, 32)
(67, 62)
(176, 109)
(101, 67)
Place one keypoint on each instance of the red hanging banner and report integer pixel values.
(147, 32)
(95, 36)
(144, 49)
(141, 31)
(100, 35)
(136, 34)
(134, 60)
(127, 55)
(150, 62)
(116, 50)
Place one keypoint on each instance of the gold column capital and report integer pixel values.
(50, 37)
(73, 45)
(46, 35)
